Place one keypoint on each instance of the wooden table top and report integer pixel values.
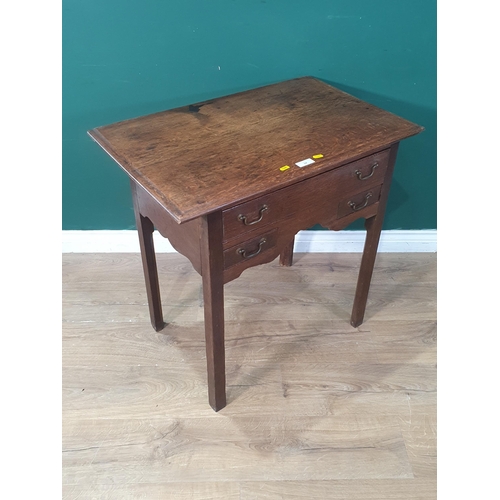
(200, 158)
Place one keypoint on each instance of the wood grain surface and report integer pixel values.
(206, 156)
(317, 409)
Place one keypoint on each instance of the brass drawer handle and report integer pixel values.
(355, 207)
(360, 174)
(243, 218)
(244, 254)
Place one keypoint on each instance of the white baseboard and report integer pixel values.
(305, 241)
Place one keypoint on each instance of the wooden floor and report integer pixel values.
(316, 409)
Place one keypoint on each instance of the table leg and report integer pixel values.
(286, 256)
(213, 299)
(373, 227)
(145, 230)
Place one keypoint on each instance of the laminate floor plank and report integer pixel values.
(122, 267)
(326, 302)
(234, 449)
(153, 491)
(316, 408)
(97, 343)
(333, 269)
(373, 489)
(350, 377)
(420, 434)
(332, 341)
(112, 292)
(318, 269)
(172, 389)
(179, 389)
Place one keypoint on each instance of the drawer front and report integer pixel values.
(250, 252)
(362, 174)
(357, 202)
(307, 198)
(252, 215)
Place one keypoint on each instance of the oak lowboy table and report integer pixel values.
(230, 181)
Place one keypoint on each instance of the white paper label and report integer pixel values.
(305, 162)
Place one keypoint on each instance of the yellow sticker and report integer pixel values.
(284, 167)
(317, 156)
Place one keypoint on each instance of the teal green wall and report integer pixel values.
(126, 58)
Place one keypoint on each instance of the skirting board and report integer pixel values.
(306, 241)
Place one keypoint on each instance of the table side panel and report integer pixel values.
(185, 238)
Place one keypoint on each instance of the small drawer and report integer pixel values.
(364, 173)
(250, 251)
(356, 202)
(252, 215)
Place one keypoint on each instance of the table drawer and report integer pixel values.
(313, 194)
(356, 202)
(250, 251)
(253, 215)
(363, 173)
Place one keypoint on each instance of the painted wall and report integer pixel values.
(126, 58)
